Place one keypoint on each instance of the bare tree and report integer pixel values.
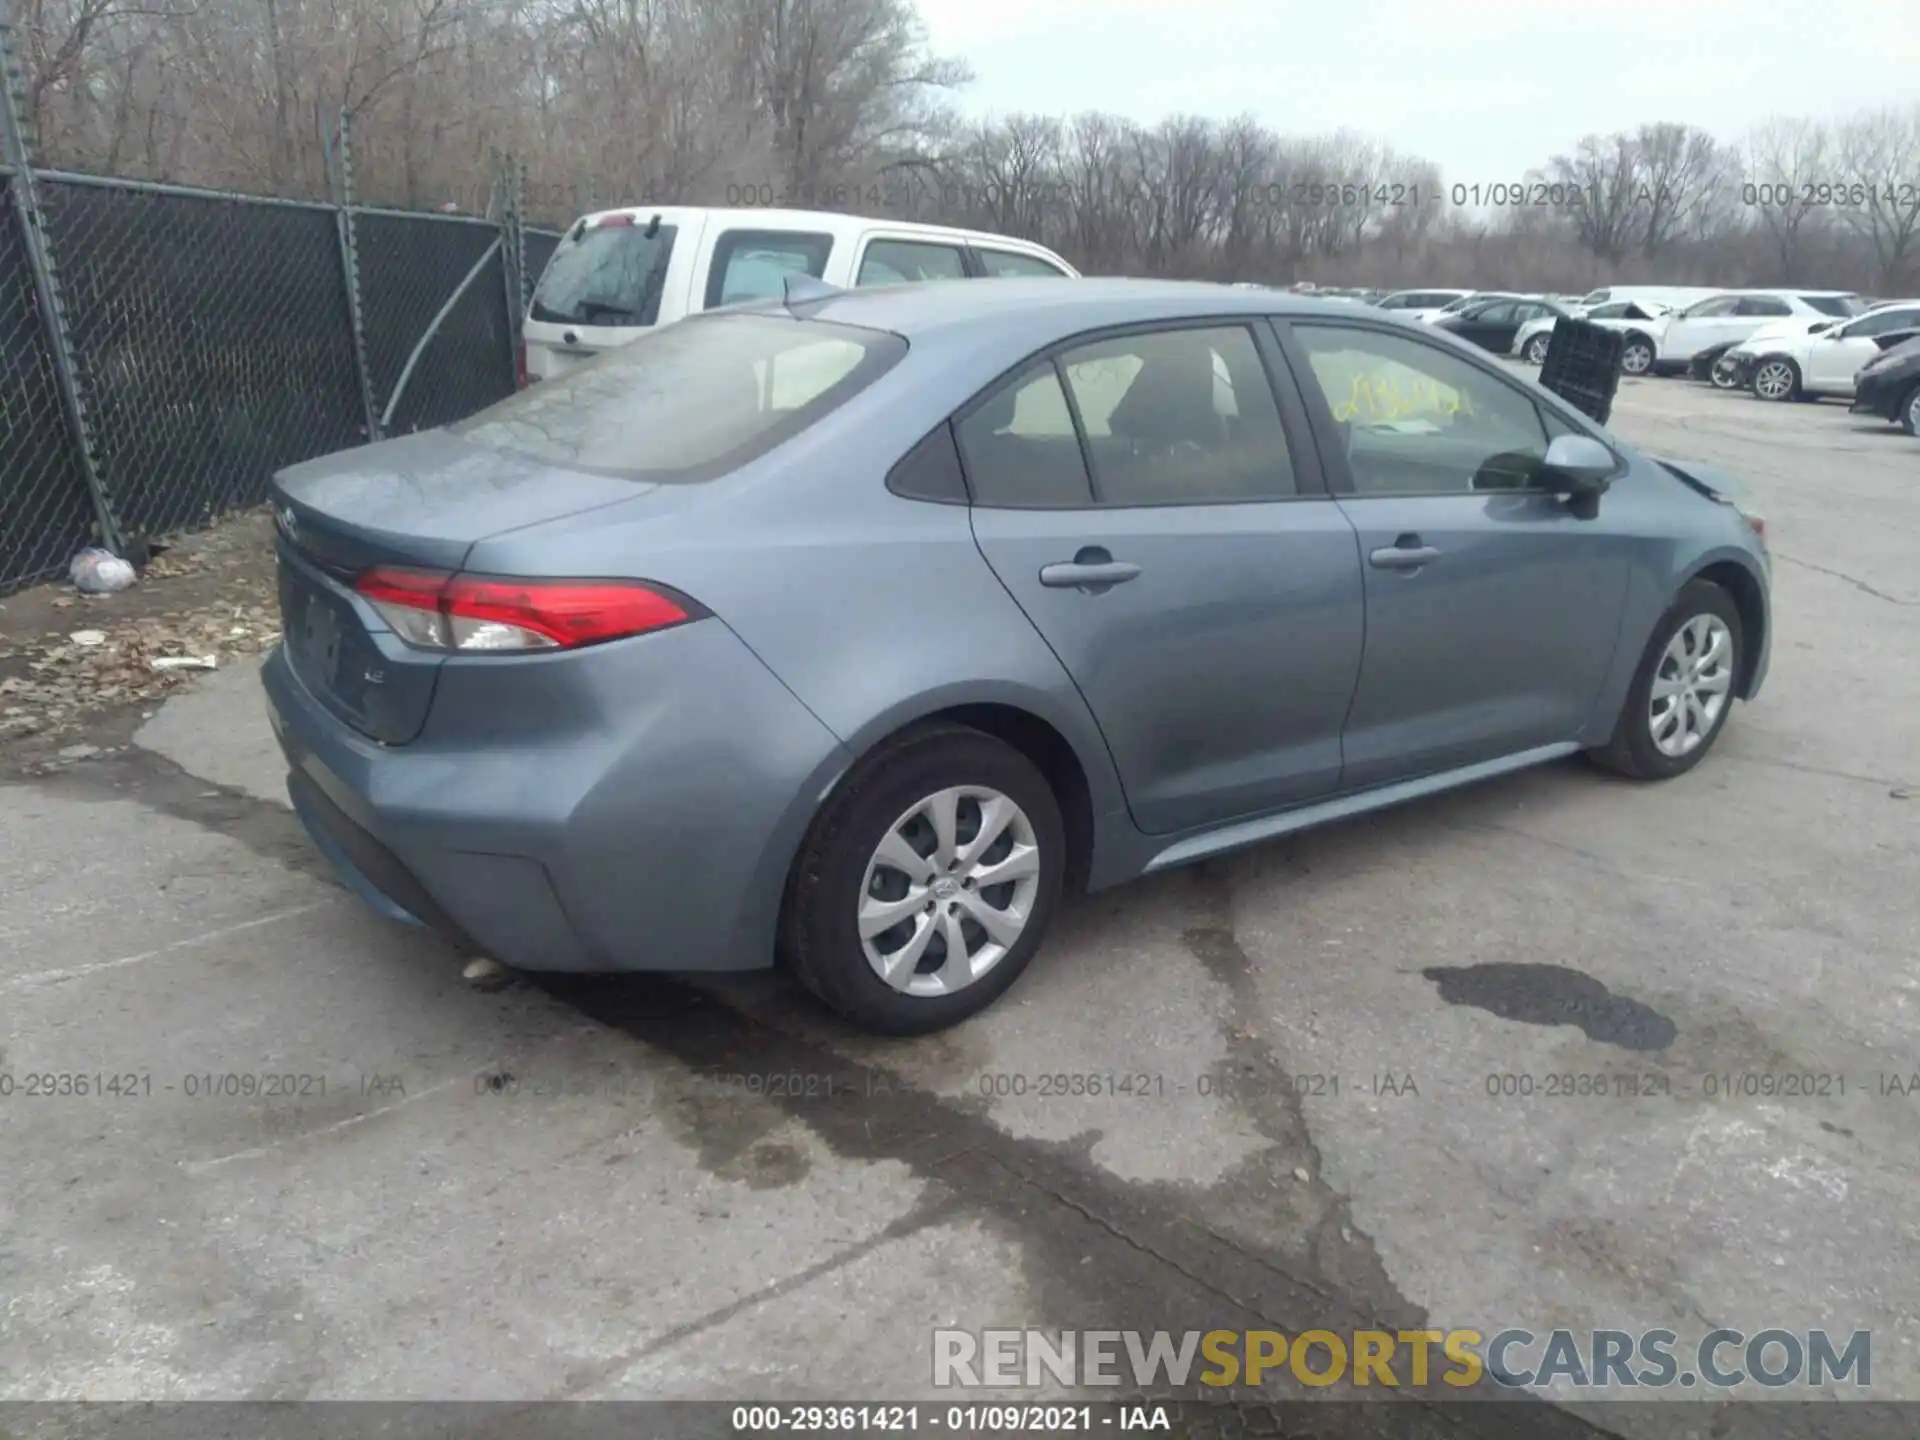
(1786, 158)
(1879, 155)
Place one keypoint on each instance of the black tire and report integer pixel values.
(1536, 353)
(1910, 412)
(1776, 362)
(1631, 750)
(820, 938)
(1636, 356)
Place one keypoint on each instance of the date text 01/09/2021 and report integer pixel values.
(971, 1419)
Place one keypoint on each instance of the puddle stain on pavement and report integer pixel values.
(1555, 995)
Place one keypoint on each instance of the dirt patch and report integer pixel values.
(78, 672)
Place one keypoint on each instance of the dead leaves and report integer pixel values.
(49, 685)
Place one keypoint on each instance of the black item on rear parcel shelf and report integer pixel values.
(1583, 366)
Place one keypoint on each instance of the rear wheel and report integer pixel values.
(1910, 412)
(1683, 691)
(1636, 358)
(1537, 349)
(927, 883)
(1724, 373)
(1777, 380)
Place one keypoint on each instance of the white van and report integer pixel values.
(618, 273)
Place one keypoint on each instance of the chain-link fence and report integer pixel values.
(44, 509)
(211, 339)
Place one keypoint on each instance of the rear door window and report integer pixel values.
(1841, 305)
(900, 262)
(1764, 306)
(1180, 417)
(1020, 447)
(1006, 264)
(608, 274)
(688, 402)
(755, 264)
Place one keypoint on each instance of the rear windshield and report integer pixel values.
(608, 275)
(1841, 305)
(691, 400)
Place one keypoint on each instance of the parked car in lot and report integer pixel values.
(1732, 368)
(1492, 321)
(1820, 361)
(854, 630)
(1672, 297)
(1889, 385)
(1700, 334)
(618, 273)
(1639, 320)
(1421, 304)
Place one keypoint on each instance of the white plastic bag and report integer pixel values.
(100, 572)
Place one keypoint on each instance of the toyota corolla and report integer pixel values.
(850, 632)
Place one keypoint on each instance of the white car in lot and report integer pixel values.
(1810, 365)
(1422, 304)
(1640, 320)
(1672, 297)
(1701, 333)
(617, 274)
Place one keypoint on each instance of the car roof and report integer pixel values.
(1032, 312)
(832, 222)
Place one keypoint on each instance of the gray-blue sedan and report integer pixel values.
(851, 630)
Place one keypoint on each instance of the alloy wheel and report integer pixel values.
(1774, 381)
(1537, 349)
(1691, 686)
(1725, 374)
(949, 890)
(1637, 358)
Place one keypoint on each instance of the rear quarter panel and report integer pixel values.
(874, 610)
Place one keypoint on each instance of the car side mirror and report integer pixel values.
(1581, 468)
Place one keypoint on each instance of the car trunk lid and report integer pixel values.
(420, 502)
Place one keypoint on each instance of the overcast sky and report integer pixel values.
(1485, 88)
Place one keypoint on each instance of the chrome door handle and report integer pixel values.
(1395, 557)
(1072, 575)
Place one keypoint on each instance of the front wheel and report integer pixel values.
(1537, 349)
(1683, 691)
(1910, 412)
(1777, 380)
(927, 882)
(1637, 356)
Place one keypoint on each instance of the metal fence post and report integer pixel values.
(340, 178)
(46, 282)
(513, 254)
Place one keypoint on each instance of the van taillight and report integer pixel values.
(522, 377)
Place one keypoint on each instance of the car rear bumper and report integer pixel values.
(643, 817)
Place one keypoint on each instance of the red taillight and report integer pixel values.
(471, 613)
(609, 222)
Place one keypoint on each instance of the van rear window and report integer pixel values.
(689, 401)
(609, 274)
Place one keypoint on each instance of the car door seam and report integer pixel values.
(1092, 715)
(1366, 602)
